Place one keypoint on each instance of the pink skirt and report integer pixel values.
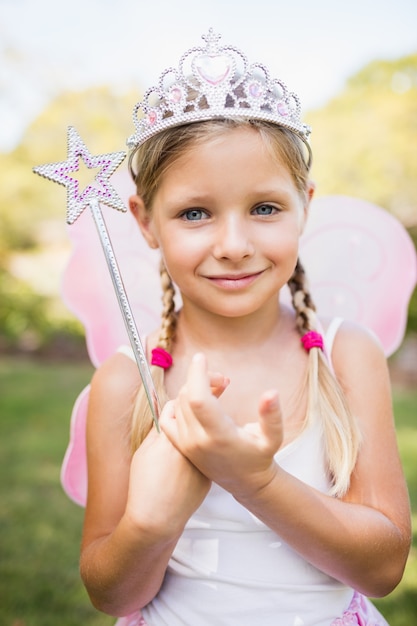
(360, 612)
(135, 619)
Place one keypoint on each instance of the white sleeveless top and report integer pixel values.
(230, 569)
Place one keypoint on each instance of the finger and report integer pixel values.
(198, 382)
(196, 399)
(168, 411)
(218, 383)
(270, 418)
(167, 421)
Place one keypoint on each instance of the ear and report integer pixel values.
(144, 220)
(311, 187)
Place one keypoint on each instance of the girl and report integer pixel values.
(273, 493)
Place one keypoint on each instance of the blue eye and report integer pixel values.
(265, 209)
(194, 215)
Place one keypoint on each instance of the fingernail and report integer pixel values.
(273, 401)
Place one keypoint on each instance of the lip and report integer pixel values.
(234, 281)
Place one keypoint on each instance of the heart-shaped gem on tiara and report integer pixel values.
(213, 68)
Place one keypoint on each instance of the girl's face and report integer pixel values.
(227, 218)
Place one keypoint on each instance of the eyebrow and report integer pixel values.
(197, 198)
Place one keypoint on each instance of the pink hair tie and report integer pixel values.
(312, 339)
(161, 357)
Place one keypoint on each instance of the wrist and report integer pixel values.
(257, 485)
(151, 528)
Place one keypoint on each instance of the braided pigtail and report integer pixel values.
(303, 304)
(169, 316)
(142, 415)
(325, 396)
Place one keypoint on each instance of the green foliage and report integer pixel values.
(364, 140)
(27, 322)
(16, 210)
(25, 199)
(412, 309)
(22, 313)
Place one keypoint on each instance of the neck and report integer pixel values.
(206, 331)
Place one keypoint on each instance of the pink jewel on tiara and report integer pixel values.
(255, 90)
(175, 94)
(282, 108)
(152, 117)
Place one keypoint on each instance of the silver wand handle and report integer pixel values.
(132, 331)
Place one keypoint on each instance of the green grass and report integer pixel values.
(40, 528)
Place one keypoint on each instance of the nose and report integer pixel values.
(233, 238)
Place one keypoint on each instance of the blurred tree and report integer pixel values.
(364, 140)
(28, 319)
(25, 199)
(412, 311)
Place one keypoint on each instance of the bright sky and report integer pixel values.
(313, 45)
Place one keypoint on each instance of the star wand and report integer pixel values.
(77, 200)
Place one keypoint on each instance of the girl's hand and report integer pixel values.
(164, 488)
(240, 459)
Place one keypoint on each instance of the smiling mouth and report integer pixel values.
(234, 281)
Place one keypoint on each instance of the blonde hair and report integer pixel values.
(325, 396)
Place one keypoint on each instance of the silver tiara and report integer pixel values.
(214, 82)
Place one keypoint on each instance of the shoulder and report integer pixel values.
(361, 368)
(119, 373)
(113, 389)
(116, 382)
(354, 346)
(113, 392)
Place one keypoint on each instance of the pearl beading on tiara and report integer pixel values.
(222, 84)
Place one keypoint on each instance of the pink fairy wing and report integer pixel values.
(74, 465)
(360, 262)
(361, 265)
(87, 287)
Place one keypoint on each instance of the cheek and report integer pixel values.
(183, 240)
(181, 253)
(283, 242)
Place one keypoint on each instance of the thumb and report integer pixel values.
(270, 418)
(167, 414)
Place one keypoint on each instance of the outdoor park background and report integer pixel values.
(364, 143)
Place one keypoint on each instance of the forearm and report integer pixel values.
(124, 570)
(355, 544)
